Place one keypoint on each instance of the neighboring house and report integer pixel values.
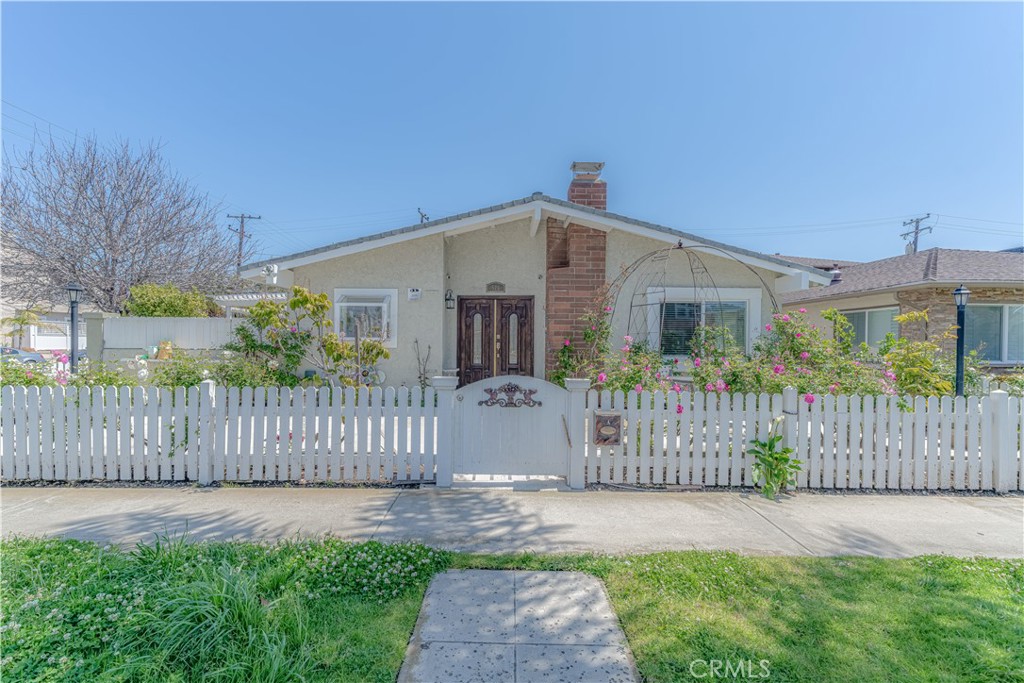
(52, 334)
(498, 290)
(872, 294)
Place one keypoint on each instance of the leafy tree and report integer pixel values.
(108, 217)
(21, 321)
(166, 301)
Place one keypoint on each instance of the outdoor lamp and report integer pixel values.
(960, 296)
(74, 296)
(449, 300)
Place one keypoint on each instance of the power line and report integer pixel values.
(980, 220)
(11, 104)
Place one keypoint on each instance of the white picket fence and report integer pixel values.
(206, 435)
(277, 434)
(844, 442)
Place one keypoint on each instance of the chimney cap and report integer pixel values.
(837, 274)
(587, 168)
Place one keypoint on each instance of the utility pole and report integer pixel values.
(916, 231)
(241, 236)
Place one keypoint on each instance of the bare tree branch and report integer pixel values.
(108, 217)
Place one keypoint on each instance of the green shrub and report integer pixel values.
(167, 301)
(23, 375)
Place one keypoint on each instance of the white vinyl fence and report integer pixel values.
(205, 435)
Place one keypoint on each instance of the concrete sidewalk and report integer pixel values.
(612, 522)
(516, 626)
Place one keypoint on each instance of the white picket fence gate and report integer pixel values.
(206, 434)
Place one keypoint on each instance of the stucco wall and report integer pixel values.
(503, 253)
(625, 248)
(414, 263)
(854, 303)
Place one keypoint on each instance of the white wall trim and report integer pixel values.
(392, 341)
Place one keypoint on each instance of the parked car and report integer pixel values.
(8, 353)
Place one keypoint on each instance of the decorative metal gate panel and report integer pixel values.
(512, 424)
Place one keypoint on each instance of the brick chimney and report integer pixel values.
(586, 187)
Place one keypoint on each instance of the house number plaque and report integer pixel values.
(607, 428)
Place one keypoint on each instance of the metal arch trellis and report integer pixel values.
(648, 275)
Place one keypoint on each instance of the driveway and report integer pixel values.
(550, 521)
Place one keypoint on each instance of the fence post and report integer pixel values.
(1003, 438)
(445, 389)
(206, 420)
(576, 425)
(790, 417)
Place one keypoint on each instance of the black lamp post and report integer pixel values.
(74, 295)
(960, 296)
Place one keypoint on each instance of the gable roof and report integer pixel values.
(930, 267)
(533, 207)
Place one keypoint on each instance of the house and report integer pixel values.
(498, 290)
(52, 333)
(871, 294)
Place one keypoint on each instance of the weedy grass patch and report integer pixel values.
(329, 610)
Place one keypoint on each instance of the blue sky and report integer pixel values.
(807, 129)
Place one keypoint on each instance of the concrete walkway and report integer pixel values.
(516, 626)
(612, 522)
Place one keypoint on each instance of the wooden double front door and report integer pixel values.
(495, 337)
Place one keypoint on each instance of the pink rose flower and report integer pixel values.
(679, 410)
(709, 387)
(567, 342)
(804, 355)
(607, 309)
(808, 398)
(785, 318)
(768, 327)
(803, 310)
(601, 378)
(696, 362)
(639, 388)
(676, 388)
(779, 369)
(799, 334)
(628, 339)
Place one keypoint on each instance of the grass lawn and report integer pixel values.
(331, 611)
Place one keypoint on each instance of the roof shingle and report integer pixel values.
(933, 266)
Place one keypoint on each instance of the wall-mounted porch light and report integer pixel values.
(449, 300)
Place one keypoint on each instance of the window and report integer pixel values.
(681, 319)
(996, 331)
(872, 326)
(738, 310)
(373, 312)
(55, 325)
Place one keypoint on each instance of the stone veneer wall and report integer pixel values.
(942, 310)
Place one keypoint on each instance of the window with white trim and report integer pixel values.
(680, 314)
(680, 320)
(996, 331)
(372, 313)
(871, 326)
